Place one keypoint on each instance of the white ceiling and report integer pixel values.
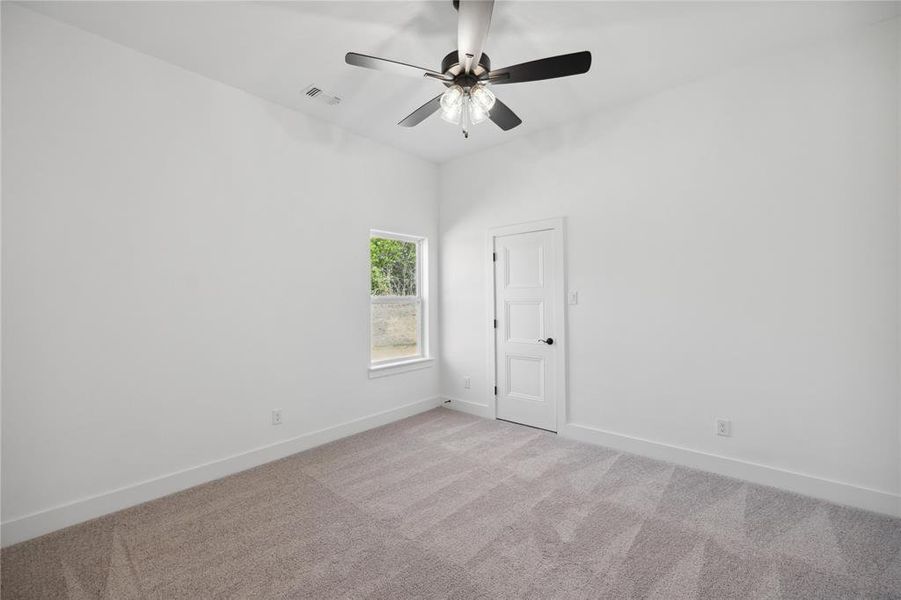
(276, 49)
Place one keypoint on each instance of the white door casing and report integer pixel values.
(529, 349)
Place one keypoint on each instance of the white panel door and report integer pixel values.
(525, 284)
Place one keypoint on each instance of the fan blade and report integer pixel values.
(422, 113)
(543, 68)
(473, 22)
(391, 66)
(502, 116)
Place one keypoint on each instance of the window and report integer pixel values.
(397, 299)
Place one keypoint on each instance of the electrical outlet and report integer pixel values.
(574, 297)
(467, 382)
(724, 427)
(277, 417)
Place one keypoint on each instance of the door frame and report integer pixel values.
(558, 226)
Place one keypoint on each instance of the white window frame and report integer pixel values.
(424, 359)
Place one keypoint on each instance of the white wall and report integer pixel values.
(179, 258)
(735, 245)
(898, 40)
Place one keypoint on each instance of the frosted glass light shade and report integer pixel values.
(476, 113)
(482, 97)
(452, 98)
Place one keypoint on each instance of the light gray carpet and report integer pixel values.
(445, 505)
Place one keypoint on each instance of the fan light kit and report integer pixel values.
(466, 73)
(466, 107)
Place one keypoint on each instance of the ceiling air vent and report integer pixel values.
(314, 93)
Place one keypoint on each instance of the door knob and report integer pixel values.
(549, 341)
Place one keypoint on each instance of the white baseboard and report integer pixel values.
(45, 521)
(833, 491)
(808, 485)
(473, 408)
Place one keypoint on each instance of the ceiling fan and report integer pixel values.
(467, 73)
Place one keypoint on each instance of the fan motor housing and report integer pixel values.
(453, 59)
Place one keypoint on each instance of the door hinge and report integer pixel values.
(495, 323)
(494, 257)
(495, 390)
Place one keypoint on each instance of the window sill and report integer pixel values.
(396, 368)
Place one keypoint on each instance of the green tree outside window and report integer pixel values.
(393, 267)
